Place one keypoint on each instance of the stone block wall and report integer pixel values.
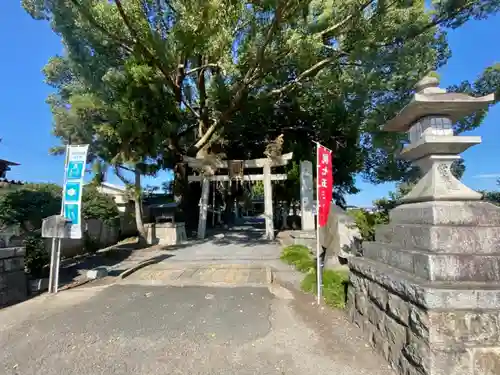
(428, 299)
(411, 326)
(13, 283)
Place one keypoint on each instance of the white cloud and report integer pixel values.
(486, 175)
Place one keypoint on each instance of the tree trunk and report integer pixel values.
(180, 189)
(138, 207)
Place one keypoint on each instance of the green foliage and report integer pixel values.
(334, 286)
(27, 206)
(334, 282)
(487, 83)
(146, 81)
(491, 196)
(257, 190)
(96, 205)
(298, 256)
(367, 221)
(37, 257)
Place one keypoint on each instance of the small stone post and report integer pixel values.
(306, 195)
(427, 291)
(268, 201)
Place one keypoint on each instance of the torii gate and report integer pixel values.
(209, 166)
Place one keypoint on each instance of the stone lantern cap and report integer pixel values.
(430, 100)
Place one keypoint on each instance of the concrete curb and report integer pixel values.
(286, 284)
(188, 283)
(269, 275)
(137, 267)
(75, 284)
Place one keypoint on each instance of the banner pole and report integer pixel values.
(318, 253)
(57, 261)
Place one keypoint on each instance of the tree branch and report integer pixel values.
(330, 30)
(88, 16)
(187, 130)
(438, 21)
(312, 71)
(206, 137)
(139, 43)
(203, 67)
(190, 108)
(120, 175)
(243, 84)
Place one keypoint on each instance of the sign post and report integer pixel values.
(74, 170)
(324, 193)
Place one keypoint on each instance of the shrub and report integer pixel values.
(96, 205)
(30, 204)
(36, 256)
(27, 206)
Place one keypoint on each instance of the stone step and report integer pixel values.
(437, 267)
(447, 213)
(216, 274)
(441, 238)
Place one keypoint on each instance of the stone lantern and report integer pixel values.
(433, 147)
(427, 291)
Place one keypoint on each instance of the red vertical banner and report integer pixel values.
(324, 181)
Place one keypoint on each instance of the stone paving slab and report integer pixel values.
(229, 274)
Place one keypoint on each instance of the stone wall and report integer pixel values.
(98, 232)
(13, 287)
(433, 311)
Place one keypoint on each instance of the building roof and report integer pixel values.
(117, 188)
(9, 163)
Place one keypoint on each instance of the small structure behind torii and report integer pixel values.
(208, 168)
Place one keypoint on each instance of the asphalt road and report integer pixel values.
(146, 330)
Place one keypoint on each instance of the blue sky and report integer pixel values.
(25, 119)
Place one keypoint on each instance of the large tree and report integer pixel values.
(341, 67)
(124, 117)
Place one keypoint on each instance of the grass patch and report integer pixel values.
(334, 282)
(334, 286)
(299, 257)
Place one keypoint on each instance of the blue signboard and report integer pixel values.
(75, 170)
(72, 200)
(72, 191)
(72, 213)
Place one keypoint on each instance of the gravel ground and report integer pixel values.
(130, 329)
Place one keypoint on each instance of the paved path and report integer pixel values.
(148, 325)
(242, 246)
(147, 330)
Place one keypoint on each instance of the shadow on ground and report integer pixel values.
(72, 269)
(245, 235)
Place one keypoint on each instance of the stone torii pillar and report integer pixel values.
(427, 291)
(268, 201)
(202, 222)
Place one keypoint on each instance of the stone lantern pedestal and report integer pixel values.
(427, 291)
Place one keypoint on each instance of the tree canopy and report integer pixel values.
(146, 81)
